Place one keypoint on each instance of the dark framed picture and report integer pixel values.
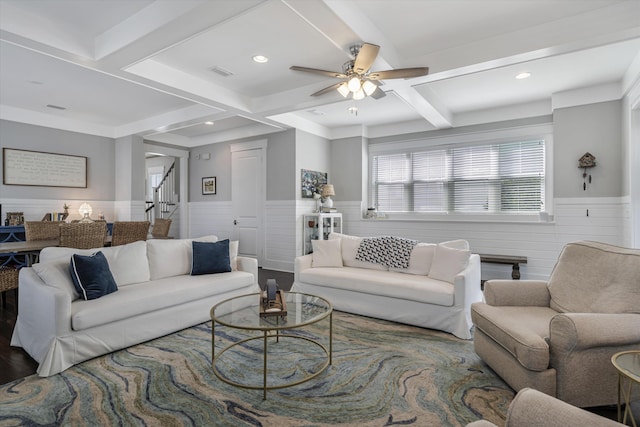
(209, 185)
(312, 182)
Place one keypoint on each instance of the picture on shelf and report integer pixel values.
(312, 183)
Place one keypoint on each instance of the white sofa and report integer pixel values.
(435, 291)
(156, 296)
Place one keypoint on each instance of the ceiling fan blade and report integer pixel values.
(317, 71)
(402, 73)
(327, 89)
(366, 56)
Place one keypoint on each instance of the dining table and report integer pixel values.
(14, 251)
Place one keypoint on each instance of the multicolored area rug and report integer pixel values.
(383, 374)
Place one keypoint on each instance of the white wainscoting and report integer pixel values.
(128, 210)
(280, 228)
(207, 218)
(281, 236)
(35, 209)
(540, 242)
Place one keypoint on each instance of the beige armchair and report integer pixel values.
(532, 408)
(558, 336)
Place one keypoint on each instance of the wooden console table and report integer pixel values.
(513, 260)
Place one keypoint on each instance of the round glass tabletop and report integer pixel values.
(243, 312)
(628, 362)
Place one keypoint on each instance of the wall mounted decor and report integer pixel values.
(209, 185)
(586, 162)
(35, 168)
(312, 183)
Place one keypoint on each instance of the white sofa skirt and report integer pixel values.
(56, 347)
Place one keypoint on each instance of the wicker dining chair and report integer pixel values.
(42, 230)
(124, 232)
(8, 281)
(83, 235)
(161, 227)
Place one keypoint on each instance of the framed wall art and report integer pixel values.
(36, 168)
(312, 182)
(209, 185)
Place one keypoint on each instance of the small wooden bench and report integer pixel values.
(513, 260)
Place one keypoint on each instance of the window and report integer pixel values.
(506, 177)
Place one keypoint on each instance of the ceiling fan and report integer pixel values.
(358, 79)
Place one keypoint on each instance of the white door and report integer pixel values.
(247, 195)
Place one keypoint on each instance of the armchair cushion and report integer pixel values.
(592, 277)
(522, 331)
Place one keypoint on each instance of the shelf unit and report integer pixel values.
(318, 226)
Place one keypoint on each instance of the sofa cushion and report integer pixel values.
(448, 262)
(146, 297)
(171, 257)
(326, 253)
(91, 275)
(388, 283)
(591, 277)
(233, 254)
(523, 331)
(349, 247)
(420, 261)
(128, 263)
(56, 274)
(210, 257)
(456, 244)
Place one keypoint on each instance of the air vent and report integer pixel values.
(56, 107)
(223, 72)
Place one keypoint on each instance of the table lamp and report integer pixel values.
(85, 210)
(327, 192)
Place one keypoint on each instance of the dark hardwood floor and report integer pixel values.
(16, 363)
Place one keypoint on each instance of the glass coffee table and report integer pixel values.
(243, 313)
(627, 363)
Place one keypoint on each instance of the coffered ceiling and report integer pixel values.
(163, 68)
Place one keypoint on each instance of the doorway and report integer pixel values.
(248, 189)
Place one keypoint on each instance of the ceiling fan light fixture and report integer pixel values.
(343, 89)
(359, 94)
(354, 84)
(369, 87)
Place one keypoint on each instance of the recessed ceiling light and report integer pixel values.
(260, 59)
(208, 122)
(524, 75)
(316, 112)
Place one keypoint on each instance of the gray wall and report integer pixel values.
(596, 128)
(129, 167)
(280, 168)
(100, 153)
(348, 168)
(312, 153)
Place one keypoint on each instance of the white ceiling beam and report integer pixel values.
(348, 12)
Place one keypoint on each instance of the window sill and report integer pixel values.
(475, 218)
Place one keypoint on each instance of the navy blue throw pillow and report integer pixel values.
(91, 275)
(210, 257)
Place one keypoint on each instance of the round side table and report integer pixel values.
(627, 363)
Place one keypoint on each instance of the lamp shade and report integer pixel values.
(85, 209)
(328, 190)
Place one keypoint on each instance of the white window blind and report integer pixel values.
(493, 178)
